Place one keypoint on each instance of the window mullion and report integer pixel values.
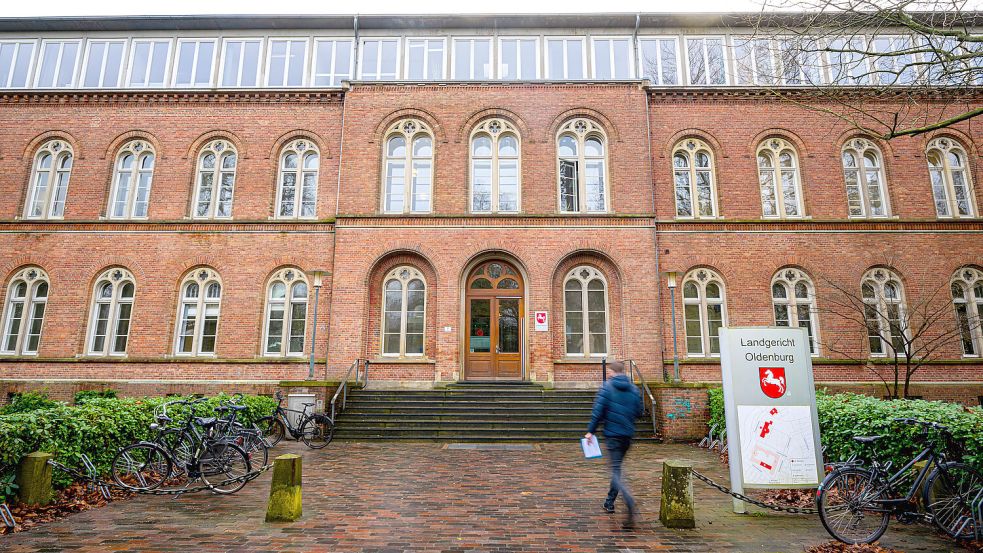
(402, 321)
(585, 315)
(285, 331)
(199, 323)
(111, 323)
(581, 176)
(495, 175)
(408, 178)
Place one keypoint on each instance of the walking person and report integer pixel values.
(618, 404)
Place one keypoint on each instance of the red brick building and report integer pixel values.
(176, 189)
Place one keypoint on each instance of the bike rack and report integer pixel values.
(6, 517)
(977, 507)
(93, 474)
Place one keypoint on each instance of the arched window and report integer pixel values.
(585, 307)
(408, 175)
(23, 316)
(967, 297)
(297, 182)
(216, 180)
(863, 172)
(403, 312)
(49, 181)
(131, 184)
(692, 166)
(495, 167)
(778, 175)
(794, 300)
(884, 311)
(286, 313)
(582, 167)
(952, 186)
(704, 312)
(112, 307)
(198, 313)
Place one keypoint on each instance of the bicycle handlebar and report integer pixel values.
(927, 424)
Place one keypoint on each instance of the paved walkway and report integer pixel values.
(420, 497)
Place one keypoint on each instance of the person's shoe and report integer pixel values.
(608, 507)
(631, 521)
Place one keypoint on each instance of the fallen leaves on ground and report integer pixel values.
(73, 499)
(838, 547)
(803, 497)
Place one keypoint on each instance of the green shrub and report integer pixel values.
(843, 416)
(86, 395)
(29, 401)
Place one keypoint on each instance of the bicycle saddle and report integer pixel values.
(205, 421)
(868, 439)
(163, 418)
(308, 404)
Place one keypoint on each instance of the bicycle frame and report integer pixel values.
(889, 485)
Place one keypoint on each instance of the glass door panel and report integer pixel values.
(479, 340)
(508, 325)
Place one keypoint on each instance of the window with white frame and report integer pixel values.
(112, 308)
(424, 59)
(659, 60)
(131, 183)
(495, 167)
(778, 175)
(332, 61)
(23, 315)
(49, 181)
(894, 62)
(612, 58)
(286, 313)
(198, 313)
(103, 63)
(15, 63)
(582, 167)
(693, 177)
(216, 180)
(704, 312)
(847, 62)
(967, 298)
(863, 172)
(952, 186)
(800, 59)
(240, 62)
(794, 299)
(585, 312)
(754, 61)
(300, 163)
(285, 62)
(195, 59)
(518, 59)
(149, 62)
(884, 312)
(472, 59)
(404, 312)
(705, 57)
(58, 61)
(565, 58)
(379, 59)
(408, 176)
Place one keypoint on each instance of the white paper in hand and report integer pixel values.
(592, 450)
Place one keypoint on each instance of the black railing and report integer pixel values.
(361, 369)
(636, 376)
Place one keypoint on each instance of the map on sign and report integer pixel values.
(777, 445)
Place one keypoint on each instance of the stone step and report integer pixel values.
(467, 411)
(355, 418)
(477, 404)
(467, 438)
(457, 431)
(474, 393)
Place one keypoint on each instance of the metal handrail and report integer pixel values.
(632, 372)
(361, 368)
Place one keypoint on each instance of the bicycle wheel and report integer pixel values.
(255, 447)
(848, 506)
(141, 466)
(223, 465)
(948, 492)
(317, 431)
(273, 429)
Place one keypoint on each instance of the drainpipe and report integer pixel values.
(634, 45)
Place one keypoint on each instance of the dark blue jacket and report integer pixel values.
(618, 404)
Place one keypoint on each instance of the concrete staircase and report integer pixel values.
(470, 412)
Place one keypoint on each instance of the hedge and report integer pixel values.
(843, 416)
(98, 427)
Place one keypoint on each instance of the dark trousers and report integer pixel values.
(617, 448)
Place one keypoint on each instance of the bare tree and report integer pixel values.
(906, 332)
(888, 68)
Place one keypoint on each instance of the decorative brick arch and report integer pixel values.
(604, 263)
(408, 113)
(372, 340)
(36, 142)
(602, 120)
(102, 263)
(289, 136)
(121, 139)
(887, 150)
(9, 269)
(206, 137)
(786, 134)
(677, 137)
(959, 136)
(196, 262)
(464, 131)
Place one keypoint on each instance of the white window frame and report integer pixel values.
(485, 129)
(750, 43)
(944, 145)
(676, 51)
(260, 61)
(500, 70)
(194, 63)
(58, 150)
(472, 70)
(968, 279)
(412, 274)
(131, 58)
(776, 170)
(701, 278)
(6, 80)
(690, 147)
(863, 66)
(858, 146)
(334, 60)
(399, 128)
(116, 277)
(426, 57)
(304, 63)
(378, 67)
(33, 277)
(221, 149)
(139, 149)
(593, 274)
(289, 277)
(301, 147)
(61, 51)
(723, 54)
(203, 277)
(102, 71)
(879, 277)
(611, 56)
(566, 65)
(895, 75)
(581, 133)
(789, 278)
(803, 76)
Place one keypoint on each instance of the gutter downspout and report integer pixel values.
(634, 45)
(655, 229)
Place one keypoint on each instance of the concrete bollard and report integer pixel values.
(285, 498)
(33, 479)
(676, 510)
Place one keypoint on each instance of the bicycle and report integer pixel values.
(856, 503)
(315, 429)
(251, 440)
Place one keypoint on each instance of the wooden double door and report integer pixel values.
(494, 318)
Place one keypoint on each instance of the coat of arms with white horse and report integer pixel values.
(772, 380)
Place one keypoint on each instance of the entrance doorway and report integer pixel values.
(494, 314)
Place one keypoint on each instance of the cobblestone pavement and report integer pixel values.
(420, 497)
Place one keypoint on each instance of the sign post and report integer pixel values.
(770, 405)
